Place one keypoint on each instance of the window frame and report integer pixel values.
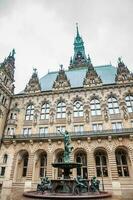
(113, 105)
(78, 110)
(61, 110)
(29, 112)
(45, 110)
(129, 103)
(95, 107)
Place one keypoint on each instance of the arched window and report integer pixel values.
(95, 107)
(122, 163)
(78, 109)
(82, 158)
(5, 158)
(59, 159)
(45, 111)
(113, 105)
(25, 164)
(43, 164)
(129, 103)
(29, 112)
(61, 110)
(101, 163)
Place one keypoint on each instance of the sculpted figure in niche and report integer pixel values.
(125, 113)
(69, 117)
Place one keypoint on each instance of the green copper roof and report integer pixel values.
(79, 49)
(76, 76)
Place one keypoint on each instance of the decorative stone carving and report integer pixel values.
(106, 116)
(125, 114)
(61, 81)
(33, 85)
(69, 117)
(87, 116)
(35, 117)
(123, 74)
(51, 118)
(91, 78)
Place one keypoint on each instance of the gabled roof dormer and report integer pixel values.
(33, 85)
(61, 81)
(123, 74)
(91, 78)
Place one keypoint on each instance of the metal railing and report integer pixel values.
(74, 135)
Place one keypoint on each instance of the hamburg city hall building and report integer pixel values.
(93, 103)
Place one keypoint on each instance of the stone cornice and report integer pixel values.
(72, 90)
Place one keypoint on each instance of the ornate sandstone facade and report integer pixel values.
(95, 104)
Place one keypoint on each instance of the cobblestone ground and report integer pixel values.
(17, 195)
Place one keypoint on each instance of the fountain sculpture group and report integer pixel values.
(67, 187)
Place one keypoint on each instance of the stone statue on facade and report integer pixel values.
(67, 146)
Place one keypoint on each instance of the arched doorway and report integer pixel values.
(122, 162)
(59, 159)
(101, 163)
(22, 165)
(40, 165)
(81, 157)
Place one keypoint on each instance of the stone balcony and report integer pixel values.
(12, 122)
(119, 133)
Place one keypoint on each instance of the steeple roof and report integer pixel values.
(79, 59)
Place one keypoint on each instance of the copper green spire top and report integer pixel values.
(77, 30)
(79, 59)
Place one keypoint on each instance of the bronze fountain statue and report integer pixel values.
(68, 188)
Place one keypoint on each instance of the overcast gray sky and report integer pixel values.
(42, 32)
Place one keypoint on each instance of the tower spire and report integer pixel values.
(77, 30)
(79, 59)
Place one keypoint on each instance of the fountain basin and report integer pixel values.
(70, 165)
(46, 195)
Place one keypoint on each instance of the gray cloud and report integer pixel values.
(43, 31)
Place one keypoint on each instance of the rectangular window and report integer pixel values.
(117, 125)
(2, 172)
(43, 130)
(78, 128)
(26, 131)
(60, 128)
(97, 127)
(4, 100)
(10, 131)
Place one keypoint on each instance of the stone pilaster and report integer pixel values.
(90, 164)
(13, 166)
(113, 165)
(30, 167)
(49, 165)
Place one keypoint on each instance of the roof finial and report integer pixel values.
(61, 67)
(77, 29)
(34, 70)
